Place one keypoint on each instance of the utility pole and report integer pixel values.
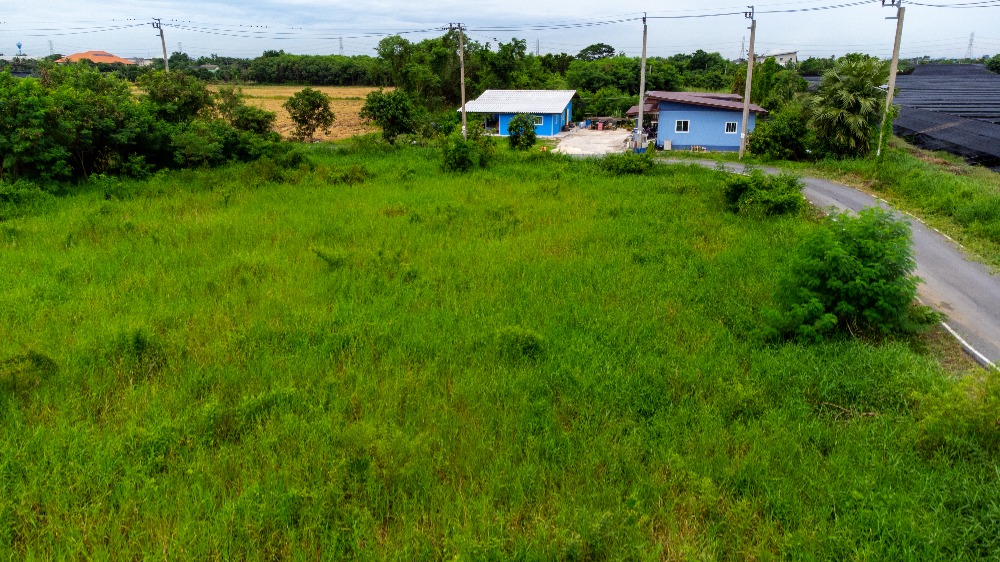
(642, 86)
(900, 11)
(461, 58)
(746, 91)
(163, 42)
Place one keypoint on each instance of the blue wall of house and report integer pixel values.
(707, 127)
(552, 123)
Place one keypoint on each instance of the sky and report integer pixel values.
(936, 28)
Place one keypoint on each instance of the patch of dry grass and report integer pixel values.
(346, 102)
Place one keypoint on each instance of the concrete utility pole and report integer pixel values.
(461, 58)
(642, 86)
(900, 11)
(746, 91)
(163, 42)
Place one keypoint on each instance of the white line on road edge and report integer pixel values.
(979, 357)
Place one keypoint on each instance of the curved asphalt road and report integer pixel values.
(962, 289)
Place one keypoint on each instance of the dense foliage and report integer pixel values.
(993, 64)
(783, 135)
(74, 122)
(757, 193)
(846, 110)
(521, 132)
(855, 275)
(393, 111)
(629, 163)
(310, 111)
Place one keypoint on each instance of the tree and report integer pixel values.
(522, 132)
(392, 111)
(846, 110)
(993, 64)
(596, 51)
(310, 110)
(783, 135)
(174, 97)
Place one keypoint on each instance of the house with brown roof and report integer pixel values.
(95, 56)
(707, 120)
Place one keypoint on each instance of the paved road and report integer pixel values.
(962, 289)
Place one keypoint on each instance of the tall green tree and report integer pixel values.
(310, 110)
(392, 111)
(846, 110)
(597, 51)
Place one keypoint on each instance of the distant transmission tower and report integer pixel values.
(538, 47)
(972, 42)
(341, 46)
(51, 50)
(180, 47)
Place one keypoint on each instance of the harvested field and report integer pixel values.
(346, 103)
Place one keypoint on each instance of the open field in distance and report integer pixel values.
(346, 103)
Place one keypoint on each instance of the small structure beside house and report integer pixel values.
(552, 109)
(784, 58)
(707, 121)
(95, 57)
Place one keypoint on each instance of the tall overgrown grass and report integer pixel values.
(368, 358)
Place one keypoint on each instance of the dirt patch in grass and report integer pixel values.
(346, 102)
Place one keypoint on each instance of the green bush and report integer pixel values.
(783, 136)
(461, 155)
(522, 132)
(758, 193)
(517, 344)
(310, 110)
(854, 274)
(393, 111)
(626, 163)
(21, 198)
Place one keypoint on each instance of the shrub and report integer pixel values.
(310, 110)
(21, 198)
(854, 274)
(461, 155)
(783, 136)
(626, 163)
(392, 111)
(522, 132)
(174, 97)
(762, 194)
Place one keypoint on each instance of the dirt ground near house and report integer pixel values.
(586, 142)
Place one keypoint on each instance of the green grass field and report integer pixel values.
(376, 360)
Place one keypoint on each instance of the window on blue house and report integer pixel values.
(539, 120)
(683, 126)
(731, 128)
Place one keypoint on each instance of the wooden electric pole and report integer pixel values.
(163, 42)
(461, 58)
(893, 66)
(642, 87)
(746, 91)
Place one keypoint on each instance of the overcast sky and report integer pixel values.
(939, 28)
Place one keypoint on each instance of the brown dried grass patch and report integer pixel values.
(346, 102)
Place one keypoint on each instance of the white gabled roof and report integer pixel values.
(521, 101)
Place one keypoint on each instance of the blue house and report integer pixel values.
(695, 119)
(552, 109)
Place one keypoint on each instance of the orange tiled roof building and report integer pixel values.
(95, 56)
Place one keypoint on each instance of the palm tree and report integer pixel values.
(847, 108)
